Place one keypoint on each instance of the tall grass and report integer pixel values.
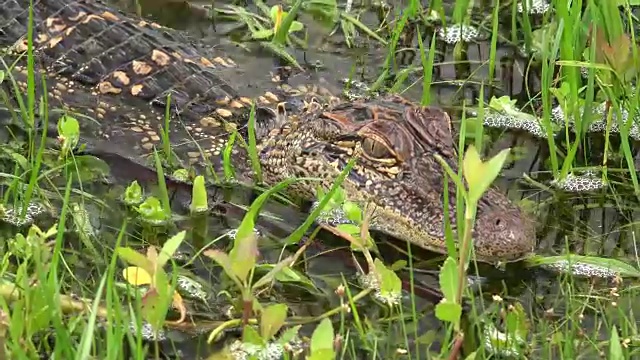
(42, 277)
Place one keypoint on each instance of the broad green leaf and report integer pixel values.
(251, 336)
(296, 26)
(322, 337)
(516, 323)
(275, 12)
(199, 196)
(352, 211)
(351, 229)
(599, 264)
(471, 356)
(615, 348)
(289, 334)
(243, 255)
(155, 305)
(481, 175)
(224, 261)
(272, 319)
(133, 257)
(262, 34)
(68, 127)
(322, 354)
(181, 174)
(169, 248)
(277, 268)
(448, 311)
(391, 285)
(398, 265)
(287, 274)
(151, 210)
(449, 279)
(133, 194)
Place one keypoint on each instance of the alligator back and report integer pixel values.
(119, 70)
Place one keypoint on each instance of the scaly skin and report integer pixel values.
(118, 70)
(396, 171)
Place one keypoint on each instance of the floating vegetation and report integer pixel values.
(585, 266)
(357, 90)
(147, 332)
(331, 216)
(190, 288)
(453, 34)
(12, 214)
(507, 121)
(502, 344)
(600, 123)
(535, 7)
(585, 182)
(582, 269)
(370, 281)
(502, 113)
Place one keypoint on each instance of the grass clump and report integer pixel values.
(74, 290)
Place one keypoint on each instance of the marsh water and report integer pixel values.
(584, 225)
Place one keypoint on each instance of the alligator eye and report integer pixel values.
(376, 150)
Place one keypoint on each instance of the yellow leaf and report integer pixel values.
(178, 304)
(136, 276)
(278, 21)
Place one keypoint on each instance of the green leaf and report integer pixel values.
(68, 127)
(448, 311)
(322, 337)
(287, 274)
(323, 354)
(133, 257)
(222, 259)
(516, 323)
(169, 248)
(199, 196)
(273, 13)
(152, 309)
(289, 334)
(471, 356)
(181, 174)
(449, 279)
(296, 26)
(352, 211)
(480, 175)
(151, 210)
(350, 229)
(272, 319)
(251, 336)
(133, 194)
(398, 265)
(243, 255)
(69, 131)
(390, 285)
(615, 348)
(273, 272)
(262, 34)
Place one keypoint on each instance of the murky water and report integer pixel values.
(599, 228)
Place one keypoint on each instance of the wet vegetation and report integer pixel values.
(106, 258)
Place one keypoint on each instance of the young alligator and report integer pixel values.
(119, 69)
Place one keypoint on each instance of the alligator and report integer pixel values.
(116, 70)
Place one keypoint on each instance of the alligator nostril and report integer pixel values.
(498, 222)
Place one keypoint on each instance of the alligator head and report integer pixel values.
(396, 170)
